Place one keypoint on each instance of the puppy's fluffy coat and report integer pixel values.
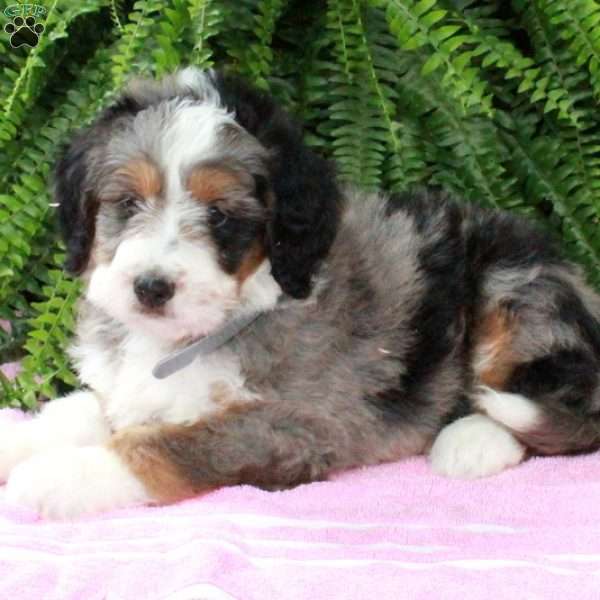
(389, 326)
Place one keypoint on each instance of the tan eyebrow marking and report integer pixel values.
(208, 184)
(143, 176)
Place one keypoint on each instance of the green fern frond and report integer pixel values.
(296, 82)
(28, 101)
(23, 92)
(116, 9)
(31, 62)
(403, 164)
(50, 330)
(355, 112)
(173, 22)
(423, 24)
(359, 82)
(579, 139)
(546, 170)
(206, 18)
(463, 152)
(260, 54)
(137, 43)
(493, 51)
(248, 29)
(237, 33)
(558, 79)
(578, 23)
(29, 199)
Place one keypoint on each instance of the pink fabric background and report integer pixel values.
(387, 532)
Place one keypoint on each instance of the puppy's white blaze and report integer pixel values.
(169, 231)
(191, 135)
(474, 446)
(512, 410)
(68, 482)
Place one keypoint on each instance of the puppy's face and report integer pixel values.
(181, 219)
(170, 211)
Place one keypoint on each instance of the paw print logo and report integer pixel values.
(24, 32)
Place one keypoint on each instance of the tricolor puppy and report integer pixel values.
(343, 328)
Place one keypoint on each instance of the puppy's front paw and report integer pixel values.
(69, 482)
(474, 446)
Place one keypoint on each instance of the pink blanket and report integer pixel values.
(387, 532)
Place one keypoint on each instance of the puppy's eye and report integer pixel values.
(216, 217)
(129, 204)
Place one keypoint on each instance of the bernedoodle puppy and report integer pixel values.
(246, 319)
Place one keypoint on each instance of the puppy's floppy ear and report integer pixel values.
(77, 206)
(307, 199)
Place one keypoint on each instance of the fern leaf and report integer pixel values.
(359, 80)
(579, 139)
(27, 103)
(116, 10)
(578, 22)
(46, 362)
(135, 47)
(422, 25)
(546, 170)
(28, 200)
(206, 19)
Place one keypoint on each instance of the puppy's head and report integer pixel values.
(190, 196)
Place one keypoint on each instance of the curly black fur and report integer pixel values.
(76, 210)
(307, 198)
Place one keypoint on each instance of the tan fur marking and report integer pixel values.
(229, 400)
(151, 452)
(208, 184)
(144, 177)
(223, 394)
(253, 259)
(494, 357)
(140, 448)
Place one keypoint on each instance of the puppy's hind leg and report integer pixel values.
(552, 404)
(537, 363)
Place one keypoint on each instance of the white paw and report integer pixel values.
(68, 482)
(17, 443)
(74, 420)
(474, 446)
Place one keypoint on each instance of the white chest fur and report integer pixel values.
(131, 395)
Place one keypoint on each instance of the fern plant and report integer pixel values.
(495, 101)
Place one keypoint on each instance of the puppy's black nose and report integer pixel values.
(153, 290)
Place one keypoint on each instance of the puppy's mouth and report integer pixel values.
(160, 312)
(165, 318)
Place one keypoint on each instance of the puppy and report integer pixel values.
(350, 328)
